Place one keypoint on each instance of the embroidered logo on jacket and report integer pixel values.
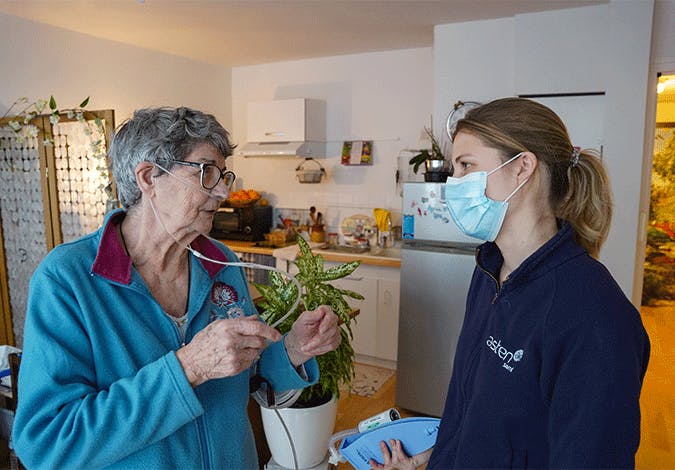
(226, 301)
(223, 294)
(504, 354)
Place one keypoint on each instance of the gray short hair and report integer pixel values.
(159, 135)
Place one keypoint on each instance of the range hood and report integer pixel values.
(293, 128)
(282, 149)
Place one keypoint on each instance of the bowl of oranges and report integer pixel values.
(243, 198)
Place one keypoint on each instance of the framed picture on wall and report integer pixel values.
(357, 152)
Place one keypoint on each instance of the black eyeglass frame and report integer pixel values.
(202, 166)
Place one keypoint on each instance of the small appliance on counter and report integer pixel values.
(248, 223)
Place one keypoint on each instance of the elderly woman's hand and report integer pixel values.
(225, 348)
(315, 332)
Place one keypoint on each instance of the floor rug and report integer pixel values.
(368, 379)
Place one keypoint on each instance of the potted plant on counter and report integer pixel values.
(313, 414)
(437, 167)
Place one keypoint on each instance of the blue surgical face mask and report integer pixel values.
(474, 213)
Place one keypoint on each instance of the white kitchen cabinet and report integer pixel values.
(364, 326)
(548, 59)
(376, 327)
(286, 121)
(388, 294)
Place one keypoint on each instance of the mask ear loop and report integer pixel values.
(503, 165)
(516, 190)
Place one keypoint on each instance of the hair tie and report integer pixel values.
(574, 161)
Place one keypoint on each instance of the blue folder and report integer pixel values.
(416, 435)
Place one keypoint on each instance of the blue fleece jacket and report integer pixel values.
(548, 367)
(100, 384)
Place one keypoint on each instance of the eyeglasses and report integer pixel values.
(210, 174)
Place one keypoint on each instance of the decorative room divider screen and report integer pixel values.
(54, 187)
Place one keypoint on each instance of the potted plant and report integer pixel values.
(336, 368)
(433, 158)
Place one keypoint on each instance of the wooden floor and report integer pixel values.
(657, 400)
(353, 408)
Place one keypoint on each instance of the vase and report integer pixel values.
(310, 430)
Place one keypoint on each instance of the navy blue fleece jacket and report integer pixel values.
(548, 367)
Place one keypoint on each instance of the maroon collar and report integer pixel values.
(112, 261)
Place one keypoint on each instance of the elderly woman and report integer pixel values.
(138, 352)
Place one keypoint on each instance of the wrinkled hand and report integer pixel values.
(314, 333)
(225, 348)
(397, 458)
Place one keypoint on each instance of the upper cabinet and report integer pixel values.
(293, 128)
(561, 51)
(291, 120)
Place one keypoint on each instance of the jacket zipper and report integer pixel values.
(202, 441)
(498, 287)
(471, 362)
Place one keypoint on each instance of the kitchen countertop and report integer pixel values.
(247, 247)
(389, 257)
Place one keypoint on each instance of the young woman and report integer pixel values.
(551, 356)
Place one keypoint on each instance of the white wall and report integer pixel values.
(575, 50)
(37, 60)
(385, 97)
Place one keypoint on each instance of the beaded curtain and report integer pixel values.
(81, 195)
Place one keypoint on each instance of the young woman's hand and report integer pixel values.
(398, 459)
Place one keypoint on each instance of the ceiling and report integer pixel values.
(236, 33)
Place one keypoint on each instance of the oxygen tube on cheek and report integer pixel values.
(226, 263)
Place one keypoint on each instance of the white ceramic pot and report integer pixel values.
(310, 429)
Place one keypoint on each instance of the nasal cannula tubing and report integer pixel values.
(227, 263)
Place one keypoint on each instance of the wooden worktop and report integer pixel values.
(247, 247)
(366, 258)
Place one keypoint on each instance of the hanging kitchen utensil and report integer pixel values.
(309, 175)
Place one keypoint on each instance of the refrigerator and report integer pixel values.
(437, 262)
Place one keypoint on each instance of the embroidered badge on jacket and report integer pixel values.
(226, 301)
(223, 294)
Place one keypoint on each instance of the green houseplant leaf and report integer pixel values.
(336, 367)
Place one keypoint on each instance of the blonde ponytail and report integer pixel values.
(588, 202)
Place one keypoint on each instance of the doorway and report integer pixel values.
(657, 446)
